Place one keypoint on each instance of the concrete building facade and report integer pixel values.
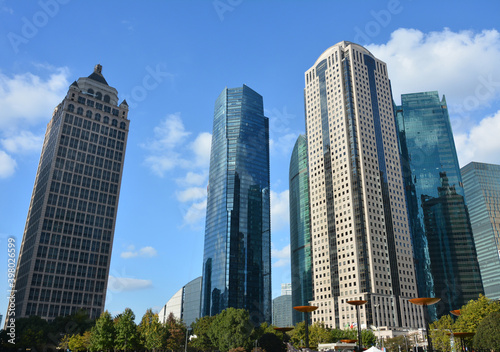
(361, 245)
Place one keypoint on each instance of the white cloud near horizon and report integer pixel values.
(461, 65)
(122, 284)
(144, 252)
(481, 142)
(280, 257)
(280, 214)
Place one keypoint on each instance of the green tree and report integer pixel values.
(319, 333)
(230, 329)
(176, 333)
(271, 342)
(103, 333)
(127, 337)
(151, 332)
(474, 312)
(78, 343)
(298, 335)
(200, 329)
(439, 331)
(488, 333)
(368, 338)
(393, 344)
(64, 343)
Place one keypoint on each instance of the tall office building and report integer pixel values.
(361, 245)
(282, 311)
(300, 229)
(445, 255)
(237, 256)
(64, 257)
(482, 191)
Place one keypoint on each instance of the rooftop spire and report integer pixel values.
(98, 69)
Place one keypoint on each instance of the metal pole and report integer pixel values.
(359, 328)
(307, 329)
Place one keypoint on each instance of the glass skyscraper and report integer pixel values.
(65, 254)
(443, 245)
(300, 228)
(237, 252)
(482, 191)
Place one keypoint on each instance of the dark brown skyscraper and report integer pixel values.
(65, 254)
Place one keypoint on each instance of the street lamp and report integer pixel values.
(186, 345)
(306, 310)
(357, 303)
(424, 302)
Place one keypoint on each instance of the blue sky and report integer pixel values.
(171, 60)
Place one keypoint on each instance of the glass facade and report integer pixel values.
(282, 311)
(482, 191)
(66, 249)
(237, 252)
(443, 245)
(300, 229)
(191, 302)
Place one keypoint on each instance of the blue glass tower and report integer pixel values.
(445, 255)
(300, 229)
(482, 190)
(237, 256)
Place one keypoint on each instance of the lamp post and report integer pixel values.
(424, 302)
(357, 303)
(306, 310)
(186, 345)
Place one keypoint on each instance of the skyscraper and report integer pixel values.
(237, 255)
(361, 246)
(65, 254)
(482, 191)
(445, 255)
(300, 229)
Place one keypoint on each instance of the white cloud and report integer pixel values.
(195, 213)
(148, 252)
(282, 256)
(192, 179)
(145, 252)
(168, 134)
(121, 284)
(481, 143)
(283, 144)
(23, 142)
(7, 165)
(30, 99)
(280, 214)
(282, 138)
(191, 194)
(461, 65)
(201, 148)
(159, 164)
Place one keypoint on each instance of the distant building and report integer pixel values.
(65, 253)
(282, 311)
(185, 304)
(443, 245)
(286, 289)
(300, 229)
(482, 192)
(237, 252)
